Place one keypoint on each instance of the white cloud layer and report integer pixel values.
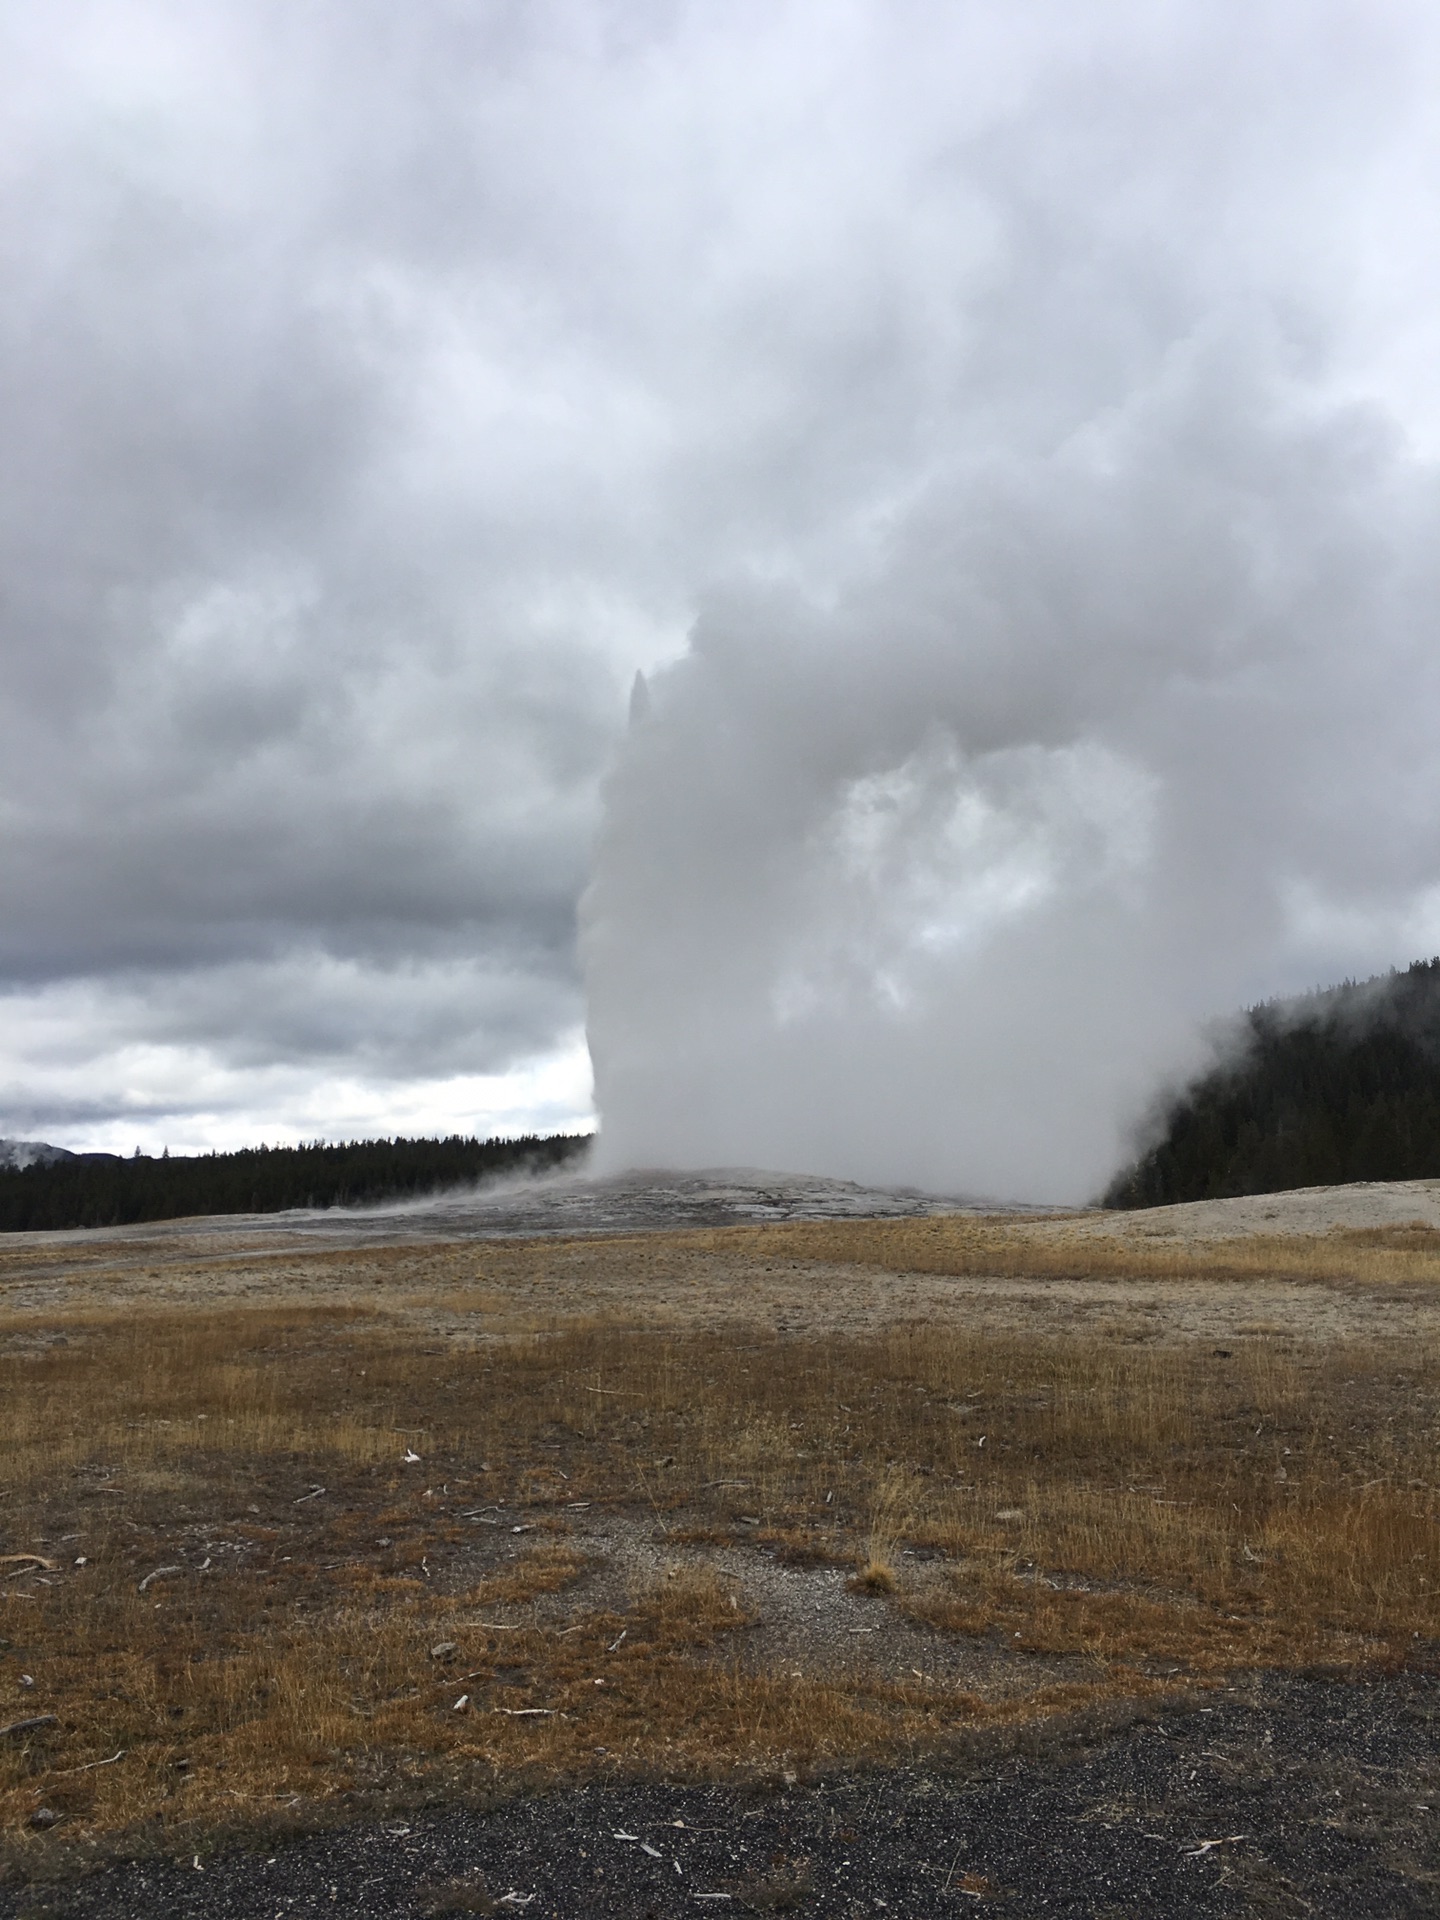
(102, 1065)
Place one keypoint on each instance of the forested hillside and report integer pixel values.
(1333, 1086)
(100, 1190)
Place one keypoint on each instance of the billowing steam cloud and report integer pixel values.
(937, 884)
(935, 869)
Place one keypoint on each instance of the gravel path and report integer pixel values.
(1282, 1796)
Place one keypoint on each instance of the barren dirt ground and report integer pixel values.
(860, 1596)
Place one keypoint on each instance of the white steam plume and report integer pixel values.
(1122, 712)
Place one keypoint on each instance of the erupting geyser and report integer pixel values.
(936, 879)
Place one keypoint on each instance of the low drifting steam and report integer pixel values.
(937, 882)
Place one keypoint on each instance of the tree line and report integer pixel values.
(103, 1190)
(1337, 1085)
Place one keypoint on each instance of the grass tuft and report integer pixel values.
(876, 1576)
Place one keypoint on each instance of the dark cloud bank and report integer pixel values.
(1005, 437)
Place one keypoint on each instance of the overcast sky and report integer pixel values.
(383, 385)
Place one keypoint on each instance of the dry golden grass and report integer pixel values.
(721, 1272)
(1152, 1510)
(1057, 1248)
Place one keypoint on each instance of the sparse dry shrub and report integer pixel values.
(873, 1576)
(690, 1605)
(544, 1569)
(895, 1504)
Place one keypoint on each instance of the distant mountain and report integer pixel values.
(1333, 1086)
(31, 1153)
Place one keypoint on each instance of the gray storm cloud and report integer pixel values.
(999, 433)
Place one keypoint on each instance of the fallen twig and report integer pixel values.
(29, 1726)
(160, 1573)
(1225, 1840)
(90, 1765)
